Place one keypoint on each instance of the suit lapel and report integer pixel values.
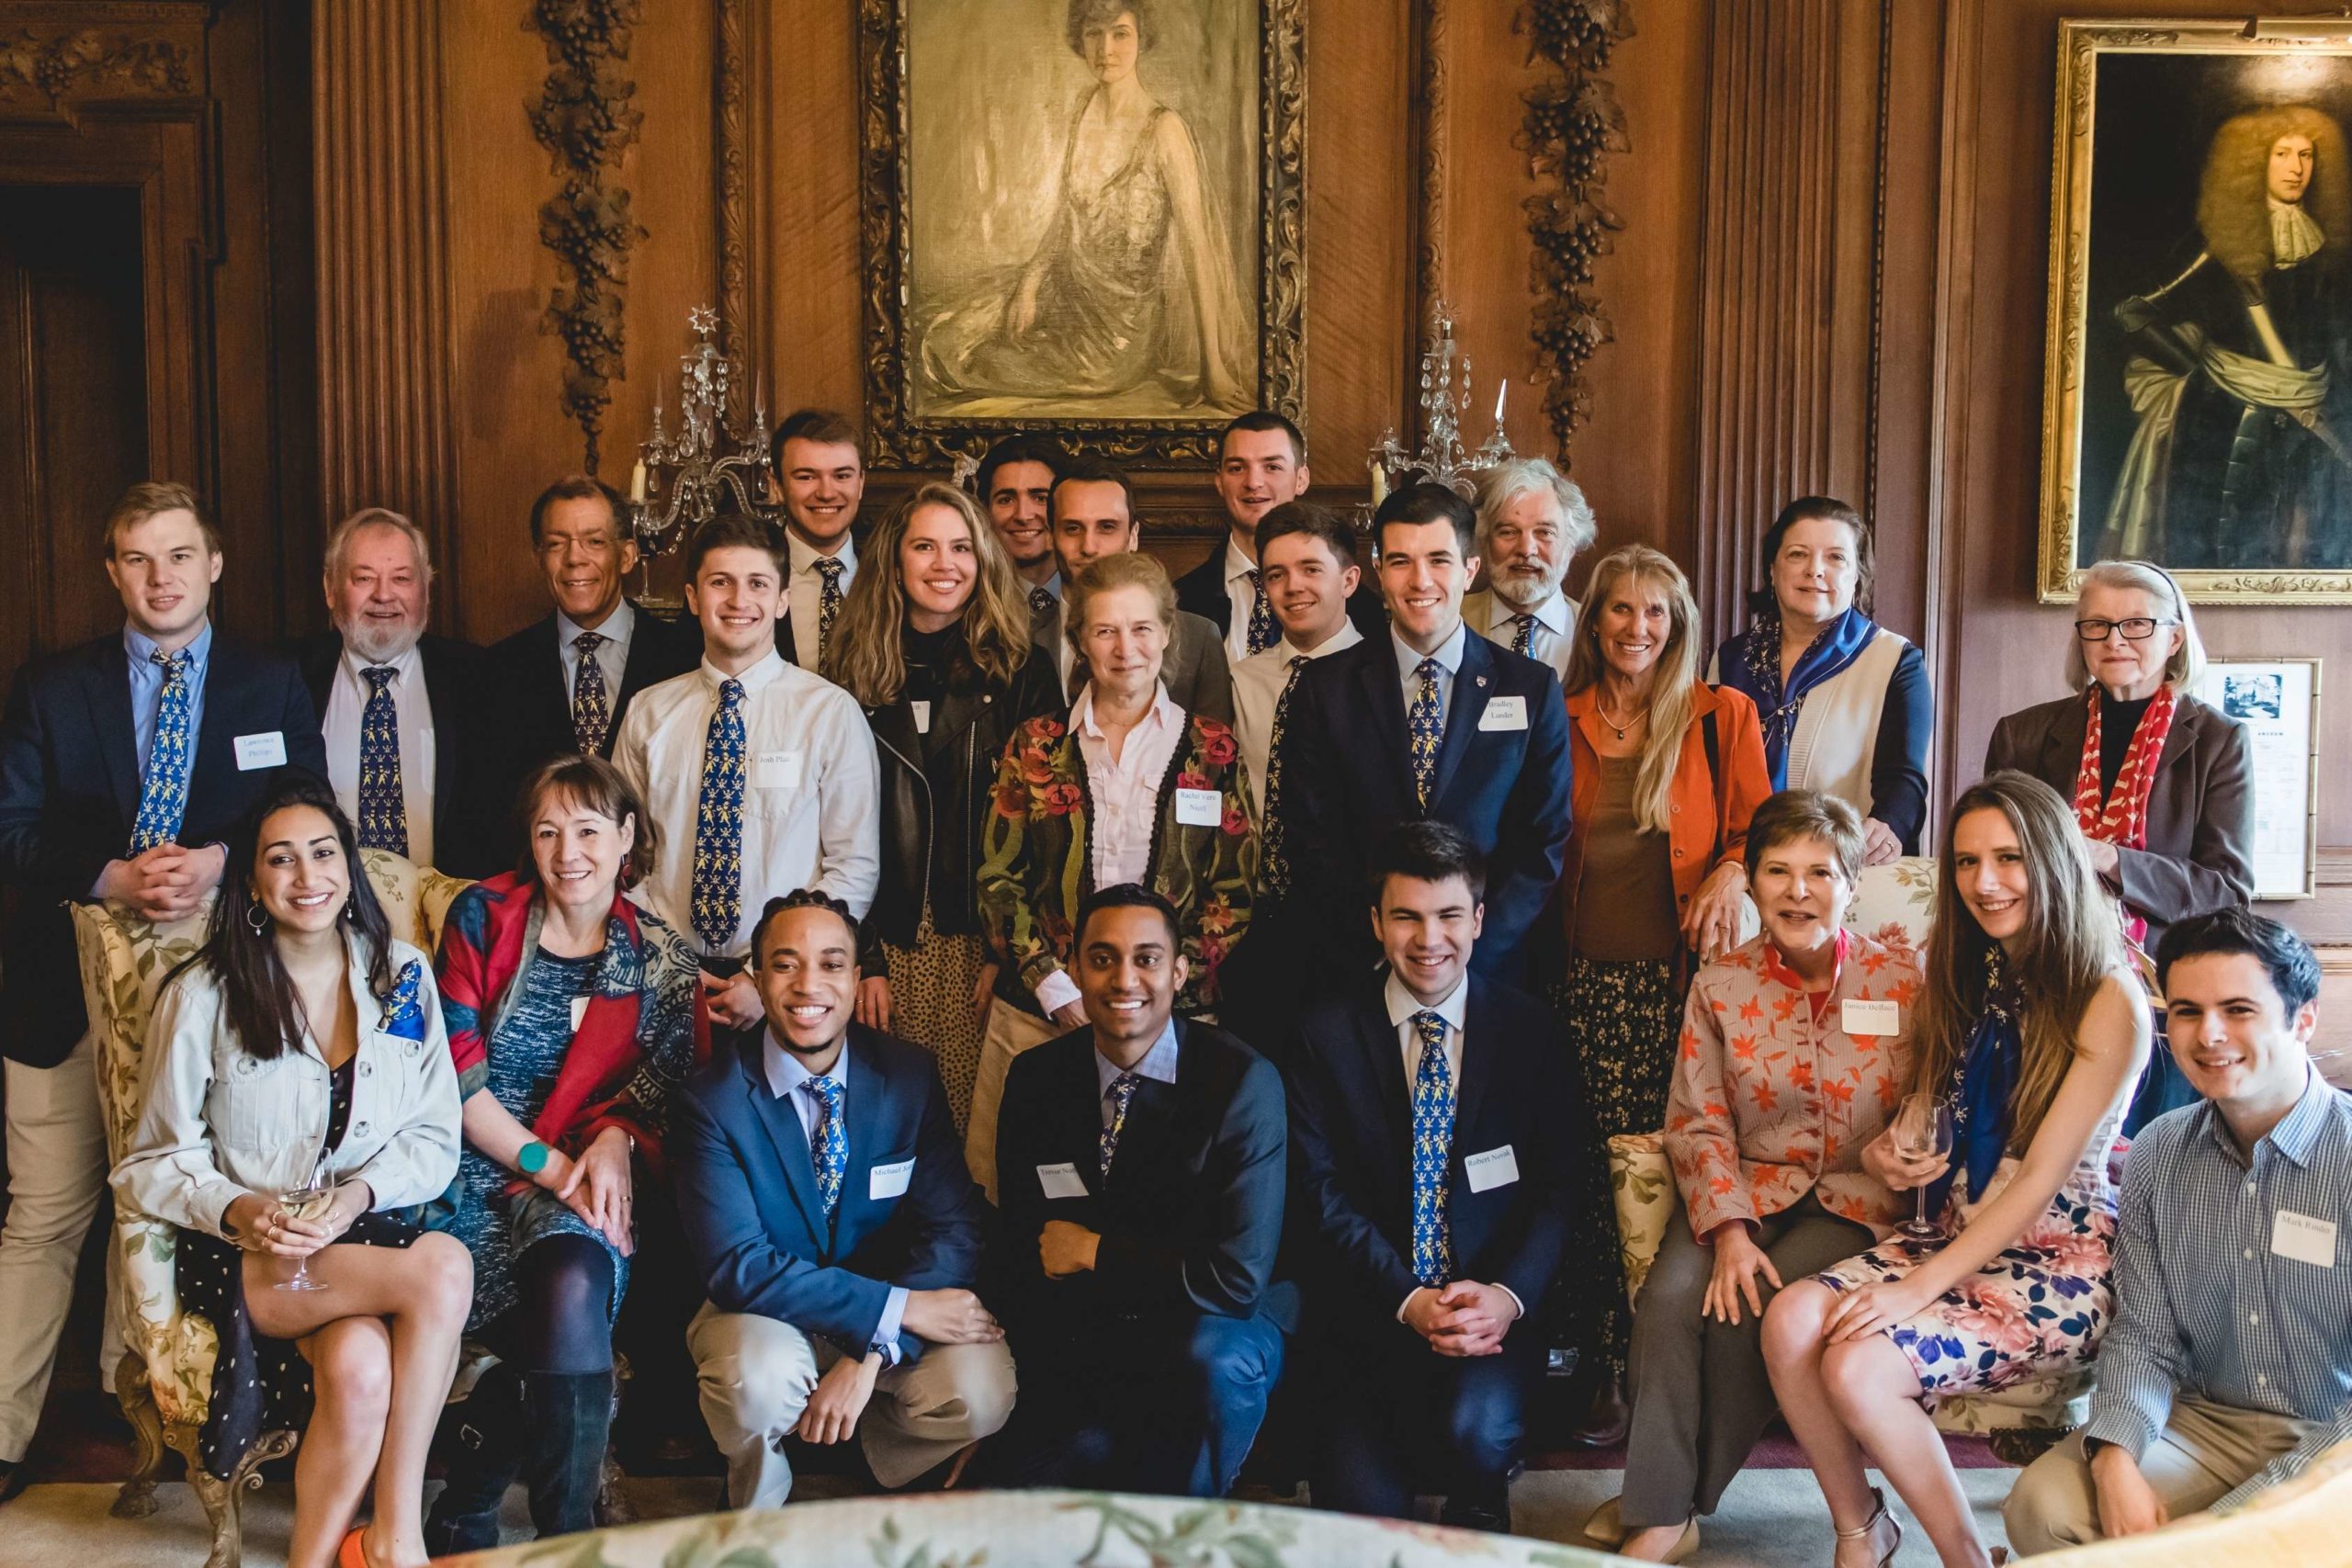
(107, 684)
(864, 1109)
(1081, 1115)
(225, 682)
(1472, 684)
(1377, 1037)
(783, 1126)
(1477, 1049)
(1379, 685)
(786, 647)
(442, 696)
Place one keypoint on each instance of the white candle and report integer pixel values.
(636, 483)
(1379, 482)
(1502, 393)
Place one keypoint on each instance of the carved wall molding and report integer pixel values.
(731, 150)
(585, 118)
(1432, 138)
(52, 54)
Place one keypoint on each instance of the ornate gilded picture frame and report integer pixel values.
(2197, 385)
(1082, 218)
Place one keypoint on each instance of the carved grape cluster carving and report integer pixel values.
(87, 61)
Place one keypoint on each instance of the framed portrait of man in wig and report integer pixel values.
(2197, 390)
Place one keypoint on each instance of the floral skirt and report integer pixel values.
(930, 1004)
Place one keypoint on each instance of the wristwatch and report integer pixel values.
(533, 1158)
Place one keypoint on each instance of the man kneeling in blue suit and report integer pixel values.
(823, 1192)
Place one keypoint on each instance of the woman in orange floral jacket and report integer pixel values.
(1794, 1048)
(1131, 788)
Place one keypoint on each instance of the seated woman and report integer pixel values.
(1794, 1044)
(1131, 789)
(1844, 702)
(571, 1019)
(299, 1090)
(2032, 1032)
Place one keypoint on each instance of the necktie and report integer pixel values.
(1121, 1094)
(829, 1145)
(162, 793)
(1433, 1154)
(1425, 727)
(383, 804)
(592, 710)
(1523, 640)
(829, 601)
(1040, 602)
(718, 824)
(1262, 629)
(1270, 841)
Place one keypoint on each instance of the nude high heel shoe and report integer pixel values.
(1869, 1528)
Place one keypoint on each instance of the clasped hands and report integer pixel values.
(1463, 1319)
(164, 884)
(598, 1185)
(941, 1317)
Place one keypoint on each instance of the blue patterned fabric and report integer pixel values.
(1433, 1154)
(718, 824)
(383, 801)
(829, 601)
(403, 1012)
(1750, 663)
(592, 707)
(1984, 1080)
(1122, 1094)
(1425, 727)
(1263, 629)
(829, 1145)
(1522, 640)
(162, 793)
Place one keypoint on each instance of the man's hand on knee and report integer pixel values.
(840, 1399)
(949, 1317)
(2127, 1504)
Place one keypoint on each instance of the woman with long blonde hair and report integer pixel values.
(2026, 1044)
(1668, 770)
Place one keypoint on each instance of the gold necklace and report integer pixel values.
(1601, 704)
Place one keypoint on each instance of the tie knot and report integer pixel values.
(730, 694)
(829, 567)
(380, 676)
(1124, 1084)
(1255, 584)
(1431, 1027)
(1524, 618)
(829, 1091)
(1427, 668)
(1297, 662)
(175, 664)
(589, 642)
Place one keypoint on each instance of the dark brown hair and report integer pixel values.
(822, 426)
(732, 530)
(1315, 522)
(1762, 601)
(151, 498)
(591, 783)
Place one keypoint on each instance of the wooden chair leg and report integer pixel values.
(224, 1501)
(137, 1498)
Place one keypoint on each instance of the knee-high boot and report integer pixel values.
(484, 1455)
(571, 1420)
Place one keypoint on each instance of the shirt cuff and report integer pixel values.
(1408, 1300)
(2127, 1427)
(886, 1331)
(1056, 991)
(1519, 1306)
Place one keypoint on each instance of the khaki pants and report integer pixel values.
(1010, 1032)
(2203, 1453)
(756, 1374)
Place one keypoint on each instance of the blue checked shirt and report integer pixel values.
(2203, 1305)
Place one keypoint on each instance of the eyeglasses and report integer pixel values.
(2135, 629)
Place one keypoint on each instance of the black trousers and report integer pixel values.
(1406, 1419)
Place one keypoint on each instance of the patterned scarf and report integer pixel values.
(1754, 669)
(2123, 819)
(1982, 1082)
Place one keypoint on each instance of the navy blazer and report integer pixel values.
(747, 1193)
(1201, 593)
(1192, 1216)
(1351, 1152)
(1348, 779)
(69, 796)
(534, 700)
(469, 837)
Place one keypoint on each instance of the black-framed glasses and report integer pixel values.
(2135, 629)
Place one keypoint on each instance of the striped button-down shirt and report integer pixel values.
(2218, 1291)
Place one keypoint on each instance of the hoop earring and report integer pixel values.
(256, 919)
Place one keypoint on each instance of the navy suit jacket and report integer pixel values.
(1202, 592)
(69, 794)
(470, 828)
(1352, 1153)
(747, 1193)
(1348, 779)
(534, 700)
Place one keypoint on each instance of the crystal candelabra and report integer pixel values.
(1445, 402)
(712, 464)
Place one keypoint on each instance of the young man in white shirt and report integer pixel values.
(1310, 572)
(756, 774)
(817, 466)
(1532, 523)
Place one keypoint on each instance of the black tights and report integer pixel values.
(562, 1321)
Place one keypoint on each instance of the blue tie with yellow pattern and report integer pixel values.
(1121, 1094)
(1263, 631)
(1433, 1154)
(591, 708)
(829, 1145)
(162, 793)
(1425, 727)
(383, 803)
(718, 825)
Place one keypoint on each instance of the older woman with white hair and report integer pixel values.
(1531, 521)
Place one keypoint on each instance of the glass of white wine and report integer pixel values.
(309, 1200)
(1923, 1129)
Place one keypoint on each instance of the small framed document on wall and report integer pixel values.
(2277, 700)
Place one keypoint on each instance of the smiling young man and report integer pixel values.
(1531, 521)
(823, 478)
(1015, 483)
(2227, 1368)
(821, 1185)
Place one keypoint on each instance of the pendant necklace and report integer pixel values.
(1600, 704)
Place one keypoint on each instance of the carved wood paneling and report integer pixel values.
(53, 54)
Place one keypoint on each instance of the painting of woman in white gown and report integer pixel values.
(1082, 179)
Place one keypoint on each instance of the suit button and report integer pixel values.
(1676, 810)
(359, 1130)
(1677, 854)
(367, 1069)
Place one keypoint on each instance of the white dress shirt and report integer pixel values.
(1404, 1007)
(1237, 568)
(1258, 682)
(1449, 665)
(805, 593)
(612, 654)
(811, 792)
(1556, 627)
(786, 1075)
(348, 697)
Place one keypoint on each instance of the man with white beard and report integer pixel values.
(1532, 523)
(392, 698)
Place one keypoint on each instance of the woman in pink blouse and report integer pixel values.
(1794, 1048)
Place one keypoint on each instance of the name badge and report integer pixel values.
(1503, 713)
(1061, 1181)
(1199, 808)
(1856, 1017)
(2304, 1238)
(579, 1011)
(889, 1180)
(266, 749)
(777, 770)
(922, 717)
(1496, 1167)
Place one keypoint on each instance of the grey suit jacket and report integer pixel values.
(2201, 815)
(1193, 671)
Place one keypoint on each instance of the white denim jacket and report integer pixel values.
(221, 1122)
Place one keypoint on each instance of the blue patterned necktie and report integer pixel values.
(1425, 727)
(162, 793)
(1433, 1154)
(1121, 1094)
(383, 803)
(718, 825)
(592, 709)
(1270, 841)
(1262, 628)
(1522, 641)
(829, 1145)
(1041, 602)
(829, 601)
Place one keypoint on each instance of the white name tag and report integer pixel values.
(2304, 1238)
(579, 1011)
(1060, 1180)
(264, 751)
(1503, 713)
(889, 1180)
(1856, 1017)
(777, 770)
(922, 717)
(1496, 1167)
(1199, 808)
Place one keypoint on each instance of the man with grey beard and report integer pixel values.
(1532, 523)
(406, 764)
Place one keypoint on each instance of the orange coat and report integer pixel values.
(1710, 822)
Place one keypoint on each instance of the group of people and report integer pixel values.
(1033, 1012)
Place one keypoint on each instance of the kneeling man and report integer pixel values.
(823, 1192)
(2228, 1367)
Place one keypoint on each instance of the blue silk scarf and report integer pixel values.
(1751, 663)
(1983, 1082)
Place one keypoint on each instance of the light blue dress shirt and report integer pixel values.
(1159, 1065)
(611, 655)
(786, 1078)
(1449, 665)
(147, 691)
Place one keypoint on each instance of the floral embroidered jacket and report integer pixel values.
(1038, 864)
(1768, 1105)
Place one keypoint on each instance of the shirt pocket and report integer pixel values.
(779, 783)
(265, 1108)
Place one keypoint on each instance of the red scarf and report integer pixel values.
(2123, 819)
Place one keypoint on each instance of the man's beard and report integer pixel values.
(380, 642)
(1524, 594)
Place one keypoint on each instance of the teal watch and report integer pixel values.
(533, 1158)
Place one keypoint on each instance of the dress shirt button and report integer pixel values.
(2253, 1317)
(2249, 1254)
(359, 1129)
(367, 1069)
(2259, 1380)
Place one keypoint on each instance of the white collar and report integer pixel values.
(1347, 636)
(1163, 712)
(766, 673)
(405, 664)
(1552, 614)
(785, 1072)
(805, 557)
(1238, 565)
(1404, 1007)
(1448, 654)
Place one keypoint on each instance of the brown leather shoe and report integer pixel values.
(1605, 1423)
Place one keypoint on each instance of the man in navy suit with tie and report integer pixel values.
(1435, 1129)
(823, 1192)
(123, 764)
(1429, 723)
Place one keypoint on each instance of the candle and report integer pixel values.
(636, 483)
(1379, 482)
(1501, 394)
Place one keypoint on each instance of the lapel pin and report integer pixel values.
(1482, 679)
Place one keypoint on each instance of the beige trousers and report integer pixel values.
(2202, 1454)
(1010, 1032)
(756, 1374)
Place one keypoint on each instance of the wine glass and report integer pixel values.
(307, 1200)
(1923, 1129)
